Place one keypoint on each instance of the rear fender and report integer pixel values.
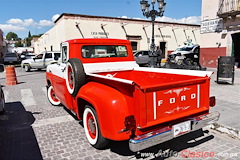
(111, 108)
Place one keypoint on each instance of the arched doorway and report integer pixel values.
(236, 48)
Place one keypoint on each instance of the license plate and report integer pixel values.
(181, 128)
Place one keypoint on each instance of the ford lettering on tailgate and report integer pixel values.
(165, 103)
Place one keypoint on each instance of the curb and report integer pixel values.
(232, 132)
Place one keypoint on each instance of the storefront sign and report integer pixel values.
(100, 34)
(211, 26)
(162, 36)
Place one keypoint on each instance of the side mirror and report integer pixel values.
(22, 56)
(1, 68)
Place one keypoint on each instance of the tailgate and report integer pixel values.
(173, 101)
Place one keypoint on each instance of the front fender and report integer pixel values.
(111, 107)
(26, 62)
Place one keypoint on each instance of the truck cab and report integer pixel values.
(99, 81)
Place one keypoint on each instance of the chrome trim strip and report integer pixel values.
(164, 134)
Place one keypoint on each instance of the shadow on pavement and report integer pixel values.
(17, 138)
(166, 149)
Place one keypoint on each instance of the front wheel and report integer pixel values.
(52, 97)
(26, 67)
(92, 129)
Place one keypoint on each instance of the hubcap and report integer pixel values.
(91, 125)
(53, 96)
(70, 77)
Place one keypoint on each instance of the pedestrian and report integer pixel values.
(158, 53)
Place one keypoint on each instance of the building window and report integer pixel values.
(134, 46)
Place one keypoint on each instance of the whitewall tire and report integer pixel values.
(52, 97)
(92, 129)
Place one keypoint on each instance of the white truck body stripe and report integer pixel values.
(176, 71)
(109, 66)
(198, 96)
(155, 105)
(111, 78)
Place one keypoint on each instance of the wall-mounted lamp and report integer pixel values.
(102, 25)
(77, 23)
(218, 44)
(124, 24)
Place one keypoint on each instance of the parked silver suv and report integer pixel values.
(40, 61)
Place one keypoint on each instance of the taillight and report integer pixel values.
(130, 124)
(212, 101)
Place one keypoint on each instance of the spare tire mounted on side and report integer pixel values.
(75, 76)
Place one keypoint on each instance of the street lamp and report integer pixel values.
(153, 14)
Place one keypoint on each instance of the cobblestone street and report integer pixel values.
(32, 128)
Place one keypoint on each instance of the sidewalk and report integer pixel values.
(227, 103)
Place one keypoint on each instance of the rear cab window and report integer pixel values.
(104, 51)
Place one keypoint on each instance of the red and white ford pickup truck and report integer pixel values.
(99, 81)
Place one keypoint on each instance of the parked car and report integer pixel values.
(2, 99)
(184, 57)
(141, 57)
(11, 58)
(27, 55)
(40, 61)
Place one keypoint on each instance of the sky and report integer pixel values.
(38, 16)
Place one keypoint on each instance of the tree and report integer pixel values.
(18, 44)
(37, 35)
(29, 34)
(12, 36)
(28, 40)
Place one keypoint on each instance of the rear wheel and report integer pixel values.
(188, 61)
(52, 97)
(180, 62)
(92, 129)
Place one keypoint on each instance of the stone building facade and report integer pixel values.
(220, 31)
(71, 26)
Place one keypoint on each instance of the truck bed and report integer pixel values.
(163, 95)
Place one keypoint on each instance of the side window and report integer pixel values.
(196, 50)
(145, 53)
(57, 55)
(64, 54)
(40, 56)
(48, 55)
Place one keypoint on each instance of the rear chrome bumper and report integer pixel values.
(164, 134)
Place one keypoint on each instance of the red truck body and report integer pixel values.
(146, 106)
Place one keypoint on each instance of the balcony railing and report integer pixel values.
(228, 8)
